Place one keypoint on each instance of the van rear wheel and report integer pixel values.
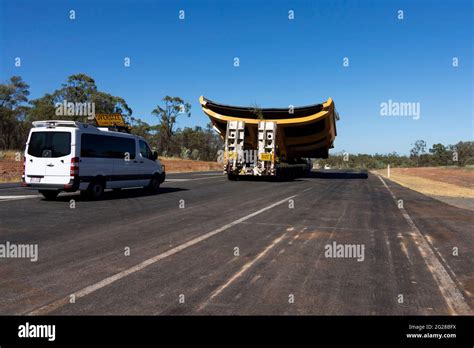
(95, 190)
(49, 195)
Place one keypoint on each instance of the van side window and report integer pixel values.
(106, 146)
(145, 150)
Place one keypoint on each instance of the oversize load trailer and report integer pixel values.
(272, 141)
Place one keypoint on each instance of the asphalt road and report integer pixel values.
(206, 245)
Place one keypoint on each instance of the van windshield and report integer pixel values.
(49, 144)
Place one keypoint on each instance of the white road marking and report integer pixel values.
(297, 236)
(15, 198)
(447, 286)
(241, 271)
(107, 281)
(404, 248)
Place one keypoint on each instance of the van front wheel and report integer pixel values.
(49, 195)
(154, 184)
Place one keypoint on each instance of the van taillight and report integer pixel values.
(23, 176)
(74, 166)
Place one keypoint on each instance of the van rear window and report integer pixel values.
(49, 144)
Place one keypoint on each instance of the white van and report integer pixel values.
(70, 156)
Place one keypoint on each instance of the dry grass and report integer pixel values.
(11, 169)
(442, 181)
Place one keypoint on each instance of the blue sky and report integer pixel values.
(282, 61)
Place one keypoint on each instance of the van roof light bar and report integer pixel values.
(60, 123)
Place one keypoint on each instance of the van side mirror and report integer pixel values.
(155, 155)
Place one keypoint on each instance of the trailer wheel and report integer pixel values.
(232, 177)
(278, 176)
(49, 195)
